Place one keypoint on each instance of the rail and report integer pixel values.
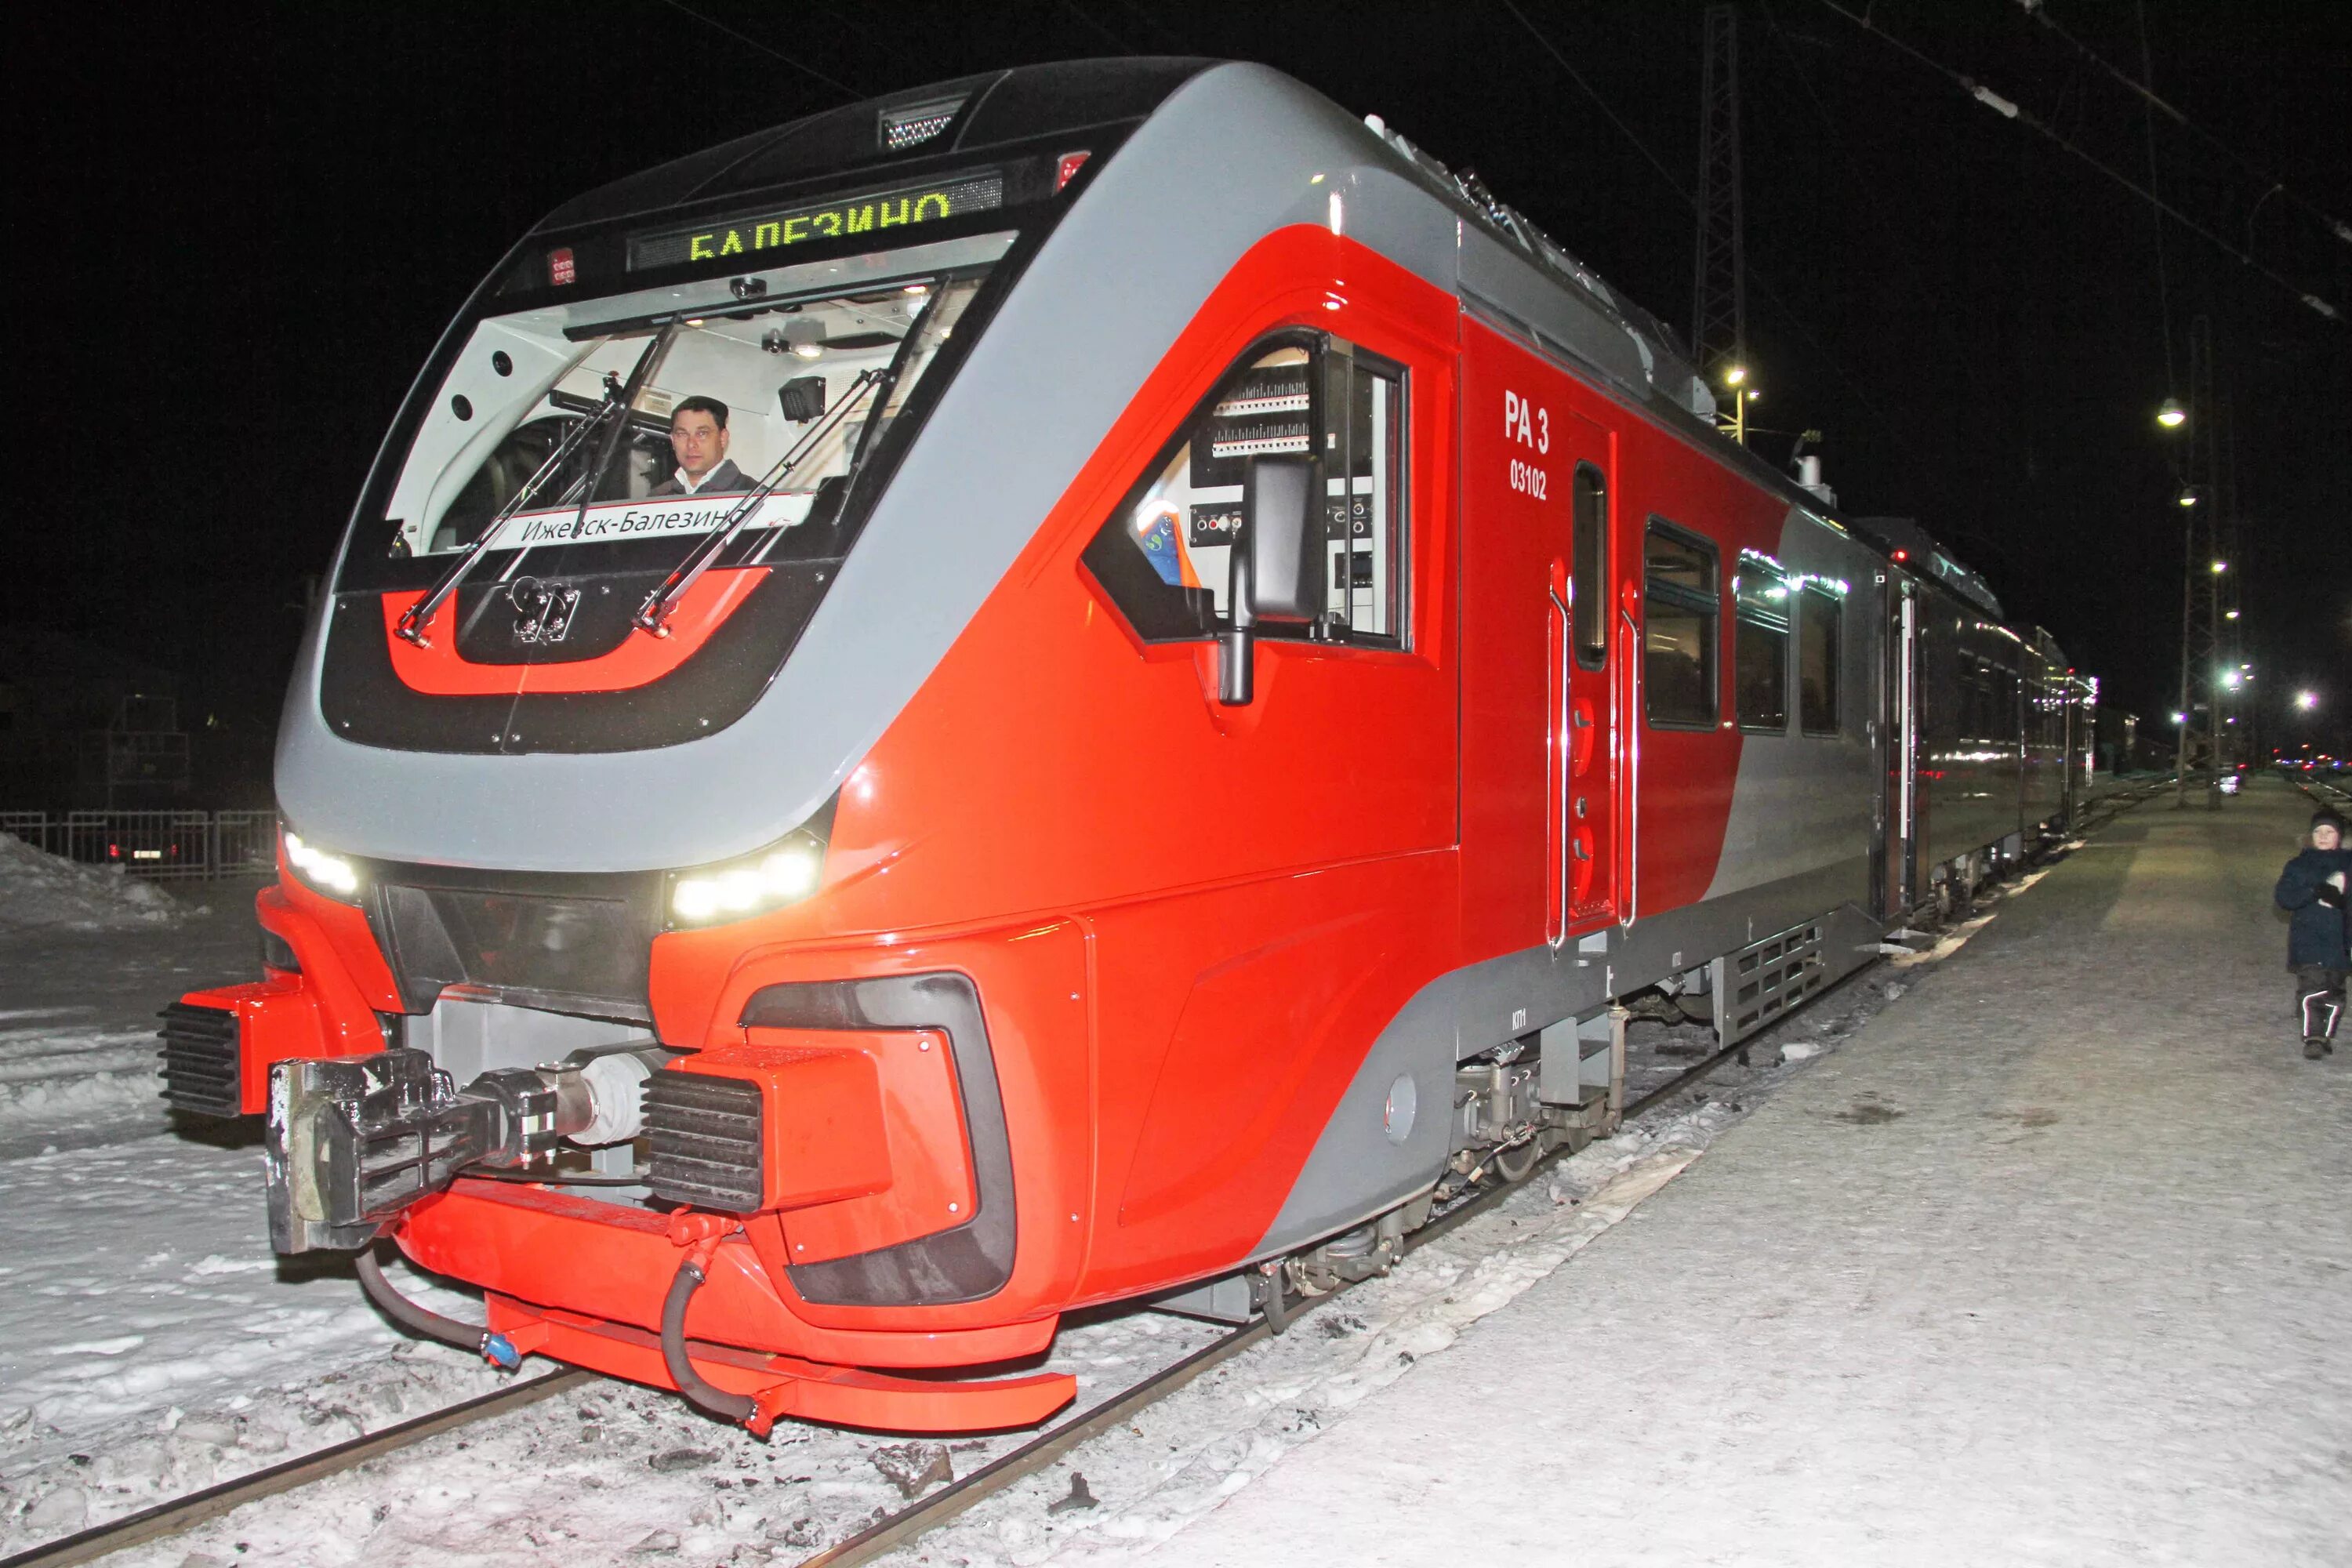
(183, 1513)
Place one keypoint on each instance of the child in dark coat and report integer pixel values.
(2313, 887)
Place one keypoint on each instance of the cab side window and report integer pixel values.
(1679, 633)
(1164, 555)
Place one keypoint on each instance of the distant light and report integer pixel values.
(2230, 678)
(2188, 496)
(1753, 396)
(1734, 375)
(2172, 415)
(2180, 717)
(2306, 700)
(2230, 616)
(2220, 567)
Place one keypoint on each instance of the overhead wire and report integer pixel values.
(2009, 110)
(1877, 205)
(2163, 289)
(1100, 29)
(2275, 186)
(801, 66)
(1149, 20)
(1893, 430)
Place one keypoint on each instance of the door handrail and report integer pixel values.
(1631, 730)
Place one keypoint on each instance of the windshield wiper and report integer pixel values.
(653, 615)
(617, 398)
(413, 620)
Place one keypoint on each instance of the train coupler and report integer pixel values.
(354, 1140)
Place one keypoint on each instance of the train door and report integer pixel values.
(1894, 857)
(1584, 841)
(1539, 760)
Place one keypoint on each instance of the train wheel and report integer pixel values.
(1512, 1165)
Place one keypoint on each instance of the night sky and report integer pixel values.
(245, 231)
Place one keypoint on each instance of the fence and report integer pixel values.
(158, 844)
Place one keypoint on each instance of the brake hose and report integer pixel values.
(416, 1320)
(690, 1383)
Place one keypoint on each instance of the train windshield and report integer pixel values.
(642, 415)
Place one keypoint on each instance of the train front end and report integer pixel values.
(586, 978)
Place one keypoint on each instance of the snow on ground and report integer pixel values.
(150, 1343)
(2050, 1270)
(40, 889)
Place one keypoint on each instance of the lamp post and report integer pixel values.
(1742, 395)
(2169, 418)
(2188, 500)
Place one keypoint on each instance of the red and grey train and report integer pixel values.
(1230, 657)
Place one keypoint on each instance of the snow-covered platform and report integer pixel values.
(2051, 1264)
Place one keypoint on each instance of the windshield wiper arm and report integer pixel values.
(419, 616)
(653, 615)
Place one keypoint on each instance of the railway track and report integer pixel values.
(182, 1513)
(886, 1535)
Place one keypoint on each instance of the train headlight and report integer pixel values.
(785, 873)
(319, 871)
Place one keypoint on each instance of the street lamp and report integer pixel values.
(1742, 395)
(2306, 700)
(2220, 567)
(2189, 495)
(2172, 416)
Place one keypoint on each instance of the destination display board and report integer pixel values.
(653, 517)
(768, 230)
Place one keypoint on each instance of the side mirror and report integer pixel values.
(1276, 564)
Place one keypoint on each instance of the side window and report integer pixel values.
(1165, 554)
(1679, 633)
(1816, 661)
(1759, 648)
(1592, 567)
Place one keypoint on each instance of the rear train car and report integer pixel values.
(1230, 658)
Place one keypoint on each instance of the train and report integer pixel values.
(1095, 683)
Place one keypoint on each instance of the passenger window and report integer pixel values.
(1759, 649)
(1164, 556)
(1679, 633)
(1816, 661)
(1591, 582)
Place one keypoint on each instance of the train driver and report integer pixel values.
(697, 439)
